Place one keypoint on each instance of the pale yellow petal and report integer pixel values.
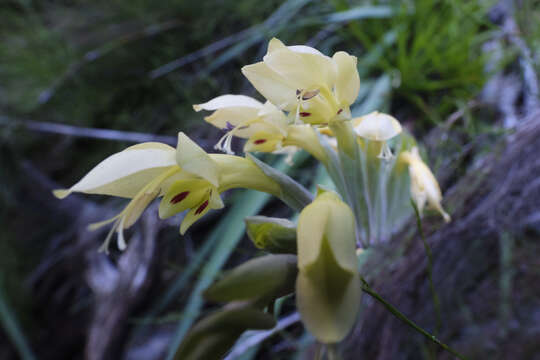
(228, 101)
(347, 79)
(227, 119)
(192, 158)
(125, 173)
(264, 142)
(341, 230)
(310, 233)
(183, 195)
(306, 70)
(275, 44)
(328, 314)
(193, 215)
(424, 185)
(377, 126)
(215, 200)
(274, 87)
(272, 115)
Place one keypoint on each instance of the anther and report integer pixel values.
(259, 141)
(305, 114)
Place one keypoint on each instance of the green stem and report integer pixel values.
(436, 302)
(405, 319)
(333, 353)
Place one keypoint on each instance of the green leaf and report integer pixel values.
(267, 277)
(274, 235)
(214, 335)
(227, 237)
(360, 12)
(12, 329)
(292, 193)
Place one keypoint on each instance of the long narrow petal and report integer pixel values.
(227, 101)
(125, 173)
(192, 158)
(229, 118)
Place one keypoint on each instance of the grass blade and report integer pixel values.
(229, 231)
(14, 332)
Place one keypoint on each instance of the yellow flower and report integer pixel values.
(263, 125)
(424, 186)
(328, 284)
(303, 81)
(136, 173)
(187, 178)
(375, 126)
(379, 127)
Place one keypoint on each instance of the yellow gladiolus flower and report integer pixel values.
(424, 185)
(263, 125)
(308, 84)
(380, 127)
(136, 173)
(186, 177)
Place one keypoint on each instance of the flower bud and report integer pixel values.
(328, 286)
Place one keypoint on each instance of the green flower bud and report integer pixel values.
(274, 235)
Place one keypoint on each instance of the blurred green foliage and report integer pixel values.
(432, 50)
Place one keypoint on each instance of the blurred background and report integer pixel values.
(80, 80)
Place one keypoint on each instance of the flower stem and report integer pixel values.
(436, 303)
(405, 319)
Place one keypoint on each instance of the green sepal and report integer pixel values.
(261, 279)
(213, 336)
(292, 193)
(274, 235)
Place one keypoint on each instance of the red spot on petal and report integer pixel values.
(179, 197)
(201, 207)
(259, 141)
(305, 114)
(339, 111)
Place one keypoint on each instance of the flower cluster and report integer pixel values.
(302, 86)
(308, 99)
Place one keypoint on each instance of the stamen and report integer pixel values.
(310, 94)
(304, 114)
(224, 143)
(259, 141)
(179, 197)
(386, 152)
(201, 207)
(120, 241)
(340, 111)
